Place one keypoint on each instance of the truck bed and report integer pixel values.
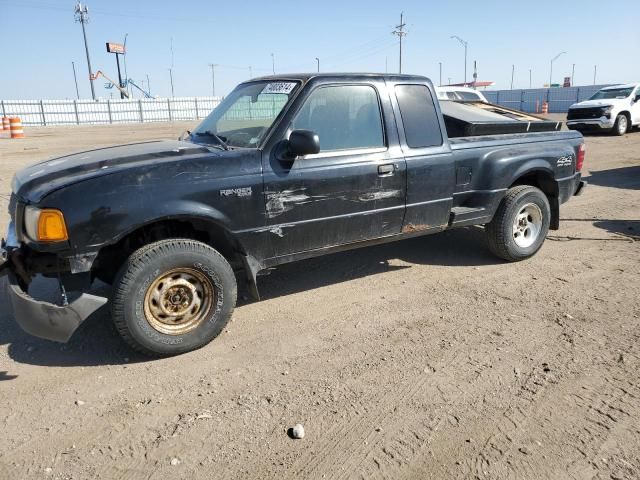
(475, 141)
(464, 119)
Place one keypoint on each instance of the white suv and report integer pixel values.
(461, 94)
(616, 109)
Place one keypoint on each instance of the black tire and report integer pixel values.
(500, 231)
(149, 265)
(618, 128)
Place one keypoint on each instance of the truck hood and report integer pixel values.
(599, 103)
(34, 182)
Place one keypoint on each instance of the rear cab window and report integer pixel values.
(419, 116)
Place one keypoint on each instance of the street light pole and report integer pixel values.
(465, 44)
(440, 83)
(551, 69)
(573, 70)
(513, 69)
(318, 62)
(273, 63)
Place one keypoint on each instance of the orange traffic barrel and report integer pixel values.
(545, 107)
(5, 123)
(16, 128)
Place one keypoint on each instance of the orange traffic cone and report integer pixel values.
(545, 107)
(16, 128)
(5, 123)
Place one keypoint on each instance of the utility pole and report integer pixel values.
(318, 62)
(530, 78)
(440, 82)
(75, 79)
(213, 78)
(551, 69)
(82, 16)
(449, 78)
(573, 70)
(465, 44)
(124, 59)
(171, 79)
(399, 31)
(273, 63)
(595, 69)
(513, 69)
(475, 73)
(148, 85)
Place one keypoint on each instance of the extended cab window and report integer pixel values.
(343, 116)
(419, 116)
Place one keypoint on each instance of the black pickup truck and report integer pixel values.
(285, 168)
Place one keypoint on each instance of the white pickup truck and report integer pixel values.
(616, 109)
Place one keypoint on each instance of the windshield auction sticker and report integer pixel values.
(279, 87)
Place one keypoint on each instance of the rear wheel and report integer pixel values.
(520, 225)
(621, 126)
(173, 296)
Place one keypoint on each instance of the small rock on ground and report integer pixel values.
(297, 431)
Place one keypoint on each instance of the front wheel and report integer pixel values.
(173, 296)
(621, 126)
(520, 225)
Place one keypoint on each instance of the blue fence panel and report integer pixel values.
(531, 99)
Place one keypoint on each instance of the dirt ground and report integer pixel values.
(427, 358)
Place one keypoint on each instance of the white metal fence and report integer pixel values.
(88, 112)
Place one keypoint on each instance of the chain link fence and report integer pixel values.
(531, 100)
(89, 112)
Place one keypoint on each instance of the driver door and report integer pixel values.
(353, 189)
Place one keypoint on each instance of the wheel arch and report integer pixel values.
(205, 229)
(543, 179)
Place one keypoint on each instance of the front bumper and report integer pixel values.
(48, 320)
(602, 123)
(39, 318)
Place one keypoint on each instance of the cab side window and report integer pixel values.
(345, 117)
(419, 116)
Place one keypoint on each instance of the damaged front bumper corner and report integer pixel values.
(44, 319)
(48, 320)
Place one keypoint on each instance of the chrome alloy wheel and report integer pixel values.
(178, 301)
(527, 225)
(622, 125)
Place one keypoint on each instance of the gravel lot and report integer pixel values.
(427, 358)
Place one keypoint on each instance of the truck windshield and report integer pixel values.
(245, 116)
(612, 93)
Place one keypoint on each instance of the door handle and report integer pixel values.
(386, 169)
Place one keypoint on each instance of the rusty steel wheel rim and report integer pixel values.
(178, 301)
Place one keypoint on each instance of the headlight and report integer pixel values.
(45, 225)
(606, 111)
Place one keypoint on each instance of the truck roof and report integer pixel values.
(346, 76)
(627, 85)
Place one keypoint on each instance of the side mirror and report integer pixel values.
(303, 142)
(637, 99)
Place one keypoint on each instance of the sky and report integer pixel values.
(40, 39)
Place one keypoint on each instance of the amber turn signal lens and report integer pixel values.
(51, 226)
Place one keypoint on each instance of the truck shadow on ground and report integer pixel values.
(96, 342)
(626, 177)
(621, 228)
